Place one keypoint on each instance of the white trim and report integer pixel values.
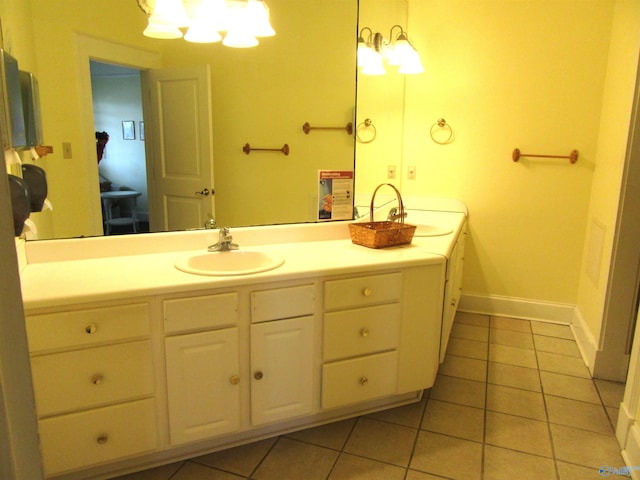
(631, 450)
(517, 308)
(586, 343)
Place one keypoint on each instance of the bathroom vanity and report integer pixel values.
(136, 363)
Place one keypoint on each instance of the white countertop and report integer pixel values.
(65, 272)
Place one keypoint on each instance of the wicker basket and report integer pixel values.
(382, 234)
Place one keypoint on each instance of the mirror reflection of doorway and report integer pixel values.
(119, 127)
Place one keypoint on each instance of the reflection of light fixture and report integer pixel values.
(398, 51)
(243, 20)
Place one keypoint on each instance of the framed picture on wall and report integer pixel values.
(141, 129)
(128, 130)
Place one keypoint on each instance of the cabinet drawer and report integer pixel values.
(207, 311)
(282, 303)
(361, 331)
(78, 328)
(89, 438)
(69, 381)
(360, 291)
(359, 379)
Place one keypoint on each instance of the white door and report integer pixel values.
(281, 369)
(203, 385)
(178, 137)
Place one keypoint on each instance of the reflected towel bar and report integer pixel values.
(573, 156)
(248, 149)
(306, 128)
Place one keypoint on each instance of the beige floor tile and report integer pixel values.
(194, 471)
(447, 456)
(350, 467)
(508, 323)
(503, 464)
(515, 401)
(554, 362)
(455, 420)
(382, 441)
(332, 435)
(164, 472)
(514, 376)
(468, 348)
(552, 330)
(470, 332)
(574, 413)
(416, 475)
(472, 319)
(613, 413)
(518, 433)
(512, 355)
(511, 337)
(556, 345)
(462, 367)
(459, 390)
(569, 387)
(612, 393)
(585, 448)
(241, 460)
(407, 415)
(293, 460)
(568, 471)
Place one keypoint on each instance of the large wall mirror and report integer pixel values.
(261, 96)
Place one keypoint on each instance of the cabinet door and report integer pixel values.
(281, 369)
(203, 384)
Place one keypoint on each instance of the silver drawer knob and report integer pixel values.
(234, 380)
(102, 438)
(91, 328)
(364, 381)
(364, 332)
(258, 375)
(97, 379)
(367, 292)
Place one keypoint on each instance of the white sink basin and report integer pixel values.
(235, 262)
(431, 231)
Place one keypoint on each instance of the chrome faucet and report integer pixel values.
(394, 215)
(224, 243)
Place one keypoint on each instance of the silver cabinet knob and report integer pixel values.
(102, 439)
(364, 381)
(234, 380)
(367, 292)
(91, 328)
(364, 332)
(258, 375)
(97, 379)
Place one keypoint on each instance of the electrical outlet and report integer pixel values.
(391, 172)
(411, 172)
(66, 150)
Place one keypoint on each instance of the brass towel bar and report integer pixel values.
(573, 156)
(306, 128)
(248, 149)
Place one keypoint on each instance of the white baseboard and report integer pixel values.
(631, 450)
(517, 308)
(584, 339)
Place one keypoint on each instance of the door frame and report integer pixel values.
(90, 48)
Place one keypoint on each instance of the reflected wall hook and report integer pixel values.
(248, 149)
(306, 128)
(367, 123)
(442, 124)
(573, 156)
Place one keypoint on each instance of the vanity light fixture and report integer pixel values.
(205, 20)
(398, 51)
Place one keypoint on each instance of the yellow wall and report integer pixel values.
(610, 155)
(507, 74)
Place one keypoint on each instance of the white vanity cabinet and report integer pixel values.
(381, 334)
(453, 290)
(92, 371)
(202, 367)
(282, 353)
(222, 348)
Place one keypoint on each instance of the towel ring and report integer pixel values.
(441, 123)
(367, 123)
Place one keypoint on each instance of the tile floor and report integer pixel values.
(513, 399)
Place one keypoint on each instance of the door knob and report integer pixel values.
(205, 192)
